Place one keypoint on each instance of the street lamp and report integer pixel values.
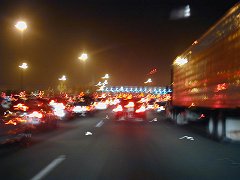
(106, 76)
(21, 25)
(23, 67)
(83, 57)
(105, 82)
(62, 85)
(148, 81)
(63, 78)
(99, 84)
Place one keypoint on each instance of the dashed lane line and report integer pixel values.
(100, 123)
(49, 168)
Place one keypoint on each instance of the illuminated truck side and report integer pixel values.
(206, 79)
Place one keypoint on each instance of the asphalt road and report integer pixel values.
(99, 148)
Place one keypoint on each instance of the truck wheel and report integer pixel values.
(211, 127)
(181, 118)
(169, 114)
(221, 129)
(174, 116)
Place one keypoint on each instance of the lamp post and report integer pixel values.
(63, 78)
(148, 81)
(62, 86)
(22, 67)
(83, 57)
(106, 76)
(21, 26)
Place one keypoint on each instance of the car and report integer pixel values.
(150, 104)
(129, 109)
(100, 104)
(62, 109)
(84, 106)
(160, 106)
(37, 113)
(13, 128)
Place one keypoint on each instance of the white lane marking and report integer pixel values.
(187, 137)
(49, 168)
(88, 133)
(100, 123)
(155, 120)
(107, 117)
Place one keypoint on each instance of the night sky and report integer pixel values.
(125, 38)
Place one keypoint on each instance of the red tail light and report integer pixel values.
(21, 106)
(118, 109)
(201, 116)
(15, 121)
(88, 108)
(11, 122)
(36, 114)
(141, 109)
(52, 102)
(130, 105)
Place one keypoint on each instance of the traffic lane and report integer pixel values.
(26, 162)
(222, 158)
(90, 161)
(40, 135)
(122, 150)
(153, 150)
(195, 154)
(167, 156)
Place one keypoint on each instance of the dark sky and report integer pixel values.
(125, 38)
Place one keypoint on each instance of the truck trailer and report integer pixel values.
(206, 80)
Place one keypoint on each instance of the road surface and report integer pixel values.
(99, 148)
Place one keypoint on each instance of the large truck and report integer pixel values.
(206, 80)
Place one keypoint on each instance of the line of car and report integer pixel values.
(23, 116)
(136, 108)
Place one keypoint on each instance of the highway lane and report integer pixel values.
(99, 148)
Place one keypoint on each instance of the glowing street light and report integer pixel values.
(63, 78)
(21, 25)
(105, 82)
(106, 76)
(23, 66)
(62, 85)
(83, 57)
(148, 81)
(99, 84)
